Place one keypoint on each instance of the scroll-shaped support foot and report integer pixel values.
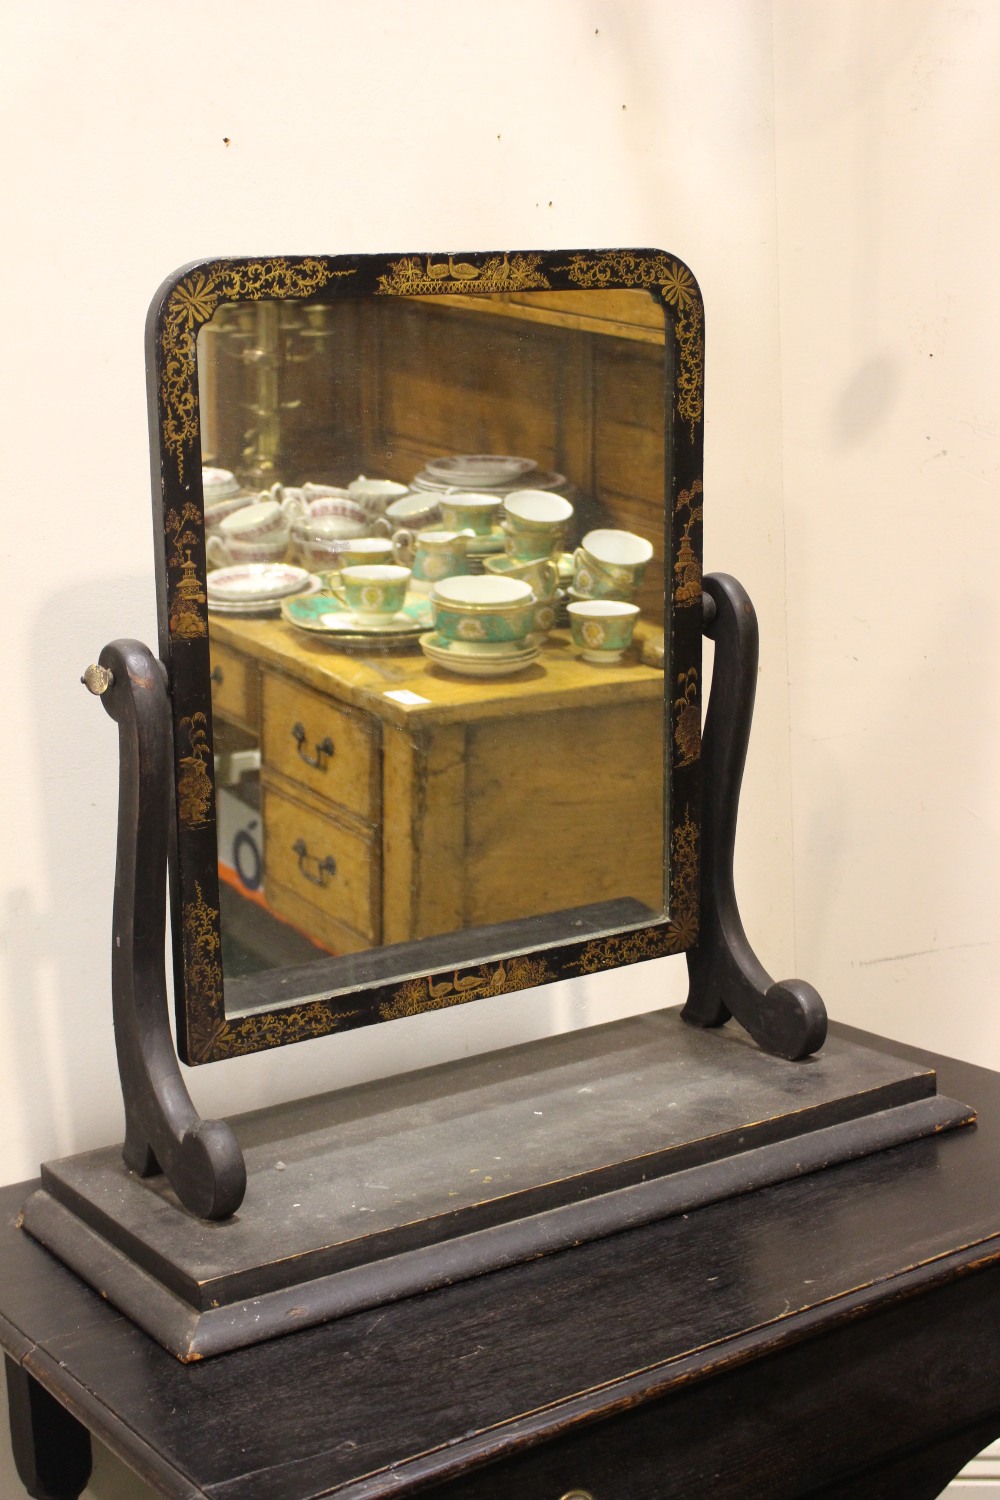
(726, 979)
(163, 1130)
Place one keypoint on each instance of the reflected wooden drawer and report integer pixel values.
(235, 687)
(321, 873)
(330, 749)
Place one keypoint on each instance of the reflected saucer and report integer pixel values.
(260, 582)
(263, 608)
(324, 614)
(500, 660)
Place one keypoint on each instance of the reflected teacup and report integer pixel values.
(322, 543)
(602, 628)
(610, 564)
(373, 591)
(256, 533)
(483, 609)
(217, 511)
(470, 512)
(266, 549)
(535, 523)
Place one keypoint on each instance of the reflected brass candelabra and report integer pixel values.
(267, 339)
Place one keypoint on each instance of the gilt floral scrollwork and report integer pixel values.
(679, 290)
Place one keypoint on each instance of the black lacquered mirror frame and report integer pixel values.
(183, 305)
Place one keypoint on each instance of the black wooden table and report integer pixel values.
(835, 1336)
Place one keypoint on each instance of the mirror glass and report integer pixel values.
(435, 546)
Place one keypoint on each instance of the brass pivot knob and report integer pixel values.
(98, 679)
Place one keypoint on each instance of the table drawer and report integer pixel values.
(235, 687)
(324, 746)
(333, 870)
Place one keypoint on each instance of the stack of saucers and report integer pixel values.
(488, 473)
(257, 588)
(483, 624)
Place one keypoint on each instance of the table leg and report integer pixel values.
(51, 1448)
(919, 1474)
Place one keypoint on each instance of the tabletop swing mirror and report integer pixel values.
(425, 728)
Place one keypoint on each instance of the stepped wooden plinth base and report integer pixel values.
(392, 1188)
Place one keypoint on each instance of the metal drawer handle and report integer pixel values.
(577, 1495)
(324, 867)
(216, 676)
(323, 748)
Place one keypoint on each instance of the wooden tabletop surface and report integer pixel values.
(558, 679)
(755, 1347)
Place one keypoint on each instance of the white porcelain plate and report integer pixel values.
(255, 581)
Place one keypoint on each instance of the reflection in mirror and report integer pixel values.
(438, 690)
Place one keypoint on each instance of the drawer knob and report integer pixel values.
(324, 867)
(324, 749)
(216, 676)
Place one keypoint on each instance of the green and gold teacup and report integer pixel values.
(482, 609)
(610, 564)
(535, 523)
(602, 628)
(373, 591)
(470, 512)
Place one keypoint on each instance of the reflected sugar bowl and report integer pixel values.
(483, 609)
(321, 541)
(610, 564)
(535, 523)
(375, 494)
(602, 628)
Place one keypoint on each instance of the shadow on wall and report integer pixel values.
(866, 402)
(56, 929)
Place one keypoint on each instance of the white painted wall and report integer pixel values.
(854, 240)
(888, 128)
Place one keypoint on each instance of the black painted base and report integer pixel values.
(378, 1192)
